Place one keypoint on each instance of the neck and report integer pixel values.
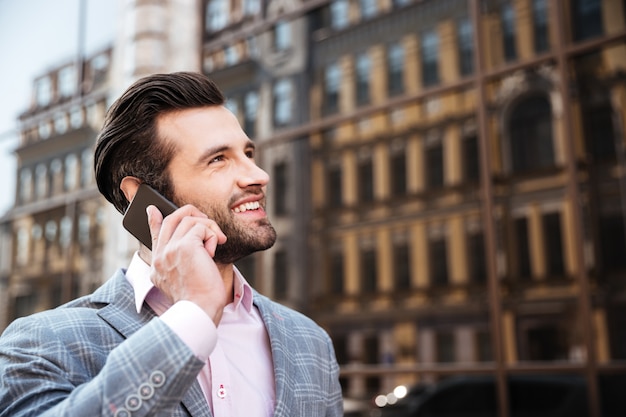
(226, 271)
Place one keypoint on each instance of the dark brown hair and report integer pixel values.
(128, 144)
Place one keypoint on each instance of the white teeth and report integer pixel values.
(247, 206)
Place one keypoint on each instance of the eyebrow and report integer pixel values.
(208, 153)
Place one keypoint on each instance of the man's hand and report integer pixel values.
(183, 246)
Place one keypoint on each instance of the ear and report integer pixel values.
(129, 186)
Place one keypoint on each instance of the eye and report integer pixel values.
(250, 153)
(217, 158)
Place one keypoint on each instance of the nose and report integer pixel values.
(253, 175)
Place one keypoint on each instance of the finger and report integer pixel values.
(201, 229)
(155, 221)
(171, 223)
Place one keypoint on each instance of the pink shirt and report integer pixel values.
(238, 378)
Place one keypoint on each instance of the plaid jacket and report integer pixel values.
(96, 356)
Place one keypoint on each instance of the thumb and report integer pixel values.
(155, 220)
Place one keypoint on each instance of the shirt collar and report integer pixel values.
(138, 274)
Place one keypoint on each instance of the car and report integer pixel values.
(475, 396)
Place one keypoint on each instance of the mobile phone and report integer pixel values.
(136, 219)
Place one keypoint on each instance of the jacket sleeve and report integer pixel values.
(42, 374)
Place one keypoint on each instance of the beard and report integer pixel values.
(242, 239)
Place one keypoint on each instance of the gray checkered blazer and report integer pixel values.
(96, 356)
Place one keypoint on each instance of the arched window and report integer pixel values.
(530, 134)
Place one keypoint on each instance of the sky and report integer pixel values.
(35, 36)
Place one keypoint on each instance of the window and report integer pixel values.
(530, 130)
(522, 249)
(336, 272)
(280, 275)
(86, 166)
(332, 82)
(477, 268)
(445, 347)
(363, 70)
(283, 102)
(60, 124)
(333, 186)
(471, 159)
(438, 256)
(395, 69)
(598, 128)
(216, 15)
(25, 304)
(484, 351)
(251, 7)
(369, 9)
(251, 107)
(99, 65)
(553, 244)
(51, 230)
(280, 188)
(341, 349)
(339, 12)
(587, 19)
(508, 32)
(231, 55)
(402, 266)
(67, 81)
(371, 348)
(366, 180)
(71, 172)
(26, 185)
(434, 165)
(43, 91)
(44, 130)
(543, 340)
(65, 231)
(22, 246)
(56, 175)
(84, 229)
(398, 173)
(41, 180)
(465, 34)
(611, 242)
(368, 271)
(540, 25)
(281, 36)
(76, 117)
(430, 58)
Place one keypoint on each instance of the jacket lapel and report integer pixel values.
(281, 346)
(121, 314)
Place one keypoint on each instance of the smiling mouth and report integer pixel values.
(254, 205)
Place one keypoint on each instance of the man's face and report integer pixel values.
(213, 168)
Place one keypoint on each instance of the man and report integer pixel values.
(180, 332)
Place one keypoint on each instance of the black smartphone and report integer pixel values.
(136, 219)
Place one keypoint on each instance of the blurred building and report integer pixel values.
(447, 175)
(53, 236)
(467, 190)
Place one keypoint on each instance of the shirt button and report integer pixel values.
(221, 392)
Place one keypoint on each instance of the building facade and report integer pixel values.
(467, 193)
(53, 237)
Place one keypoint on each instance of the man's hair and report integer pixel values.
(128, 144)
